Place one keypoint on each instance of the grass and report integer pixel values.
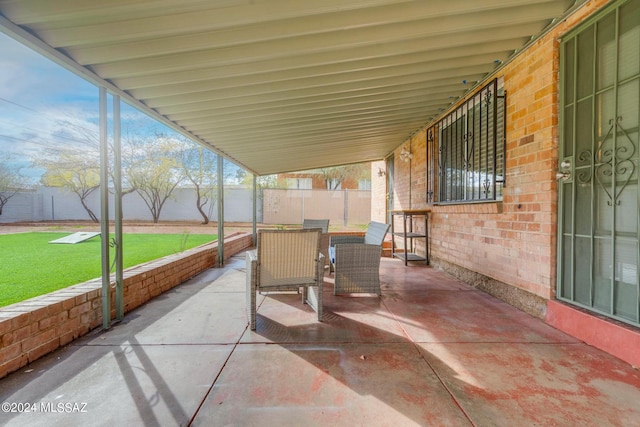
(31, 266)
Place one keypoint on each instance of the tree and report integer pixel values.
(10, 182)
(200, 168)
(76, 171)
(264, 181)
(153, 169)
(333, 176)
(76, 167)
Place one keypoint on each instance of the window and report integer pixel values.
(364, 184)
(471, 149)
(299, 183)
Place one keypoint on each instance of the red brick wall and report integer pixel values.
(513, 241)
(33, 328)
(410, 190)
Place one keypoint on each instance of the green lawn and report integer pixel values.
(31, 266)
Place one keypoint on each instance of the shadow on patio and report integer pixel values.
(430, 351)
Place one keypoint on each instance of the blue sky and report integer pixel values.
(42, 105)
(35, 94)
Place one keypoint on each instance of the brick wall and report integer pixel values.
(35, 327)
(513, 241)
(410, 191)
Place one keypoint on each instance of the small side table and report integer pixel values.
(407, 234)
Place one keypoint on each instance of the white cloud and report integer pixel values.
(43, 105)
(36, 97)
(32, 80)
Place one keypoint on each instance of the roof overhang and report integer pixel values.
(282, 85)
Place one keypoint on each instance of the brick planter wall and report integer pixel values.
(35, 327)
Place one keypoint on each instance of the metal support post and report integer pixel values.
(117, 174)
(220, 211)
(104, 210)
(255, 209)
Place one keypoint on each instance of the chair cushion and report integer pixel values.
(376, 233)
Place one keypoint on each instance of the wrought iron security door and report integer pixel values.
(599, 196)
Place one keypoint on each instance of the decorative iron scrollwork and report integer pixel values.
(487, 98)
(583, 176)
(613, 163)
(486, 186)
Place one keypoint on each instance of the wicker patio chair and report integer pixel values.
(322, 224)
(285, 260)
(324, 237)
(356, 260)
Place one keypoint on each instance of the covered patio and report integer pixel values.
(430, 351)
(281, 86)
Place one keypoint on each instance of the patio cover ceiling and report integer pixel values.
(285, 85)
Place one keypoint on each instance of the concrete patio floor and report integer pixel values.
(431, 352)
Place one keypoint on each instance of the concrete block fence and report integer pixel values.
(35, 327)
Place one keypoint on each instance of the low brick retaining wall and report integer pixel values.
(35, 327)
